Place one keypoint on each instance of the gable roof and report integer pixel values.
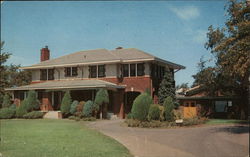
(100, 56)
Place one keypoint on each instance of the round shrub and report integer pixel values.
(88, 109)
(7, 113)
(33, 115)
(169, 107)
(73, 107)
(141, 106)
(66, 102)
(154, 112)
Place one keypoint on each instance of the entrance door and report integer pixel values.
(129, 99)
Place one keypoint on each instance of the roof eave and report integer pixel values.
(174, 65)
(66, 65)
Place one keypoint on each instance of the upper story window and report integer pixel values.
(130, 70)
(46, 74)
(140, 69)
(70, 71)
(101, 71)
(125, 70)
(97, 71)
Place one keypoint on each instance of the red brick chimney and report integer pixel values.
(45, 54)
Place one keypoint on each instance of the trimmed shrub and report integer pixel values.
(141, 106)
(143, 124)
(32, 103)
(72, 117)
(6, 101)
(33, 115)
(22, 109)
(88, 109)
(193, 121)
(66, 102)
(79, 109)
(178, 114)
(101, 100)
(129, 116)
(154, 112)
(89, 119)
(7, 113)
(162, 112)
(169, 107)
(73, 107)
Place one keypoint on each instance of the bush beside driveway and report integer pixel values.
(206, 141)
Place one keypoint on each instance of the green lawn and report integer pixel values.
(55, 138)
(226, 121)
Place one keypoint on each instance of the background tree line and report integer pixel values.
(230, 47)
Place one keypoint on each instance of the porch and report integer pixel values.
(50, 94)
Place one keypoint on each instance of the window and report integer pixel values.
(101, 71)
(140, 69)
(132, 70)
(46, 74)
(125, 70)
(92, 71)
(43, 74)
(74, 71)
(50, 74)
(70, 71)
(96, 71)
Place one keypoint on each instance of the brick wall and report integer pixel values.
(139, 84)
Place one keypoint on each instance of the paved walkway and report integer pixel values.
(207, 141)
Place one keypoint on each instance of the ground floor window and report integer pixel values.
(220, 106)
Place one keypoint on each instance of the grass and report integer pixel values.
(53, 138)
(226, 121)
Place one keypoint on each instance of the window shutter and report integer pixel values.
(143, 69)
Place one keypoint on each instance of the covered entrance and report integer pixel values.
(129, 99)
(50, 94)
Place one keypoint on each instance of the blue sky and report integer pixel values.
(172, 30)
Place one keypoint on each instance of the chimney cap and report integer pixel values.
(46, 46)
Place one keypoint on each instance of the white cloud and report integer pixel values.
(186, 13)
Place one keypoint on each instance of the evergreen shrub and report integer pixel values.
(88, 109)
(65, 106)
(141, 106)
(154, 112)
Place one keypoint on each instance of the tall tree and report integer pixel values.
(4, 56)
(230, 47)
(166, 87)
(10, 74)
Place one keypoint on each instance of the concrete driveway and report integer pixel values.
(205, 141)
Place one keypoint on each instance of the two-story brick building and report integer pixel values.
(125, 73)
